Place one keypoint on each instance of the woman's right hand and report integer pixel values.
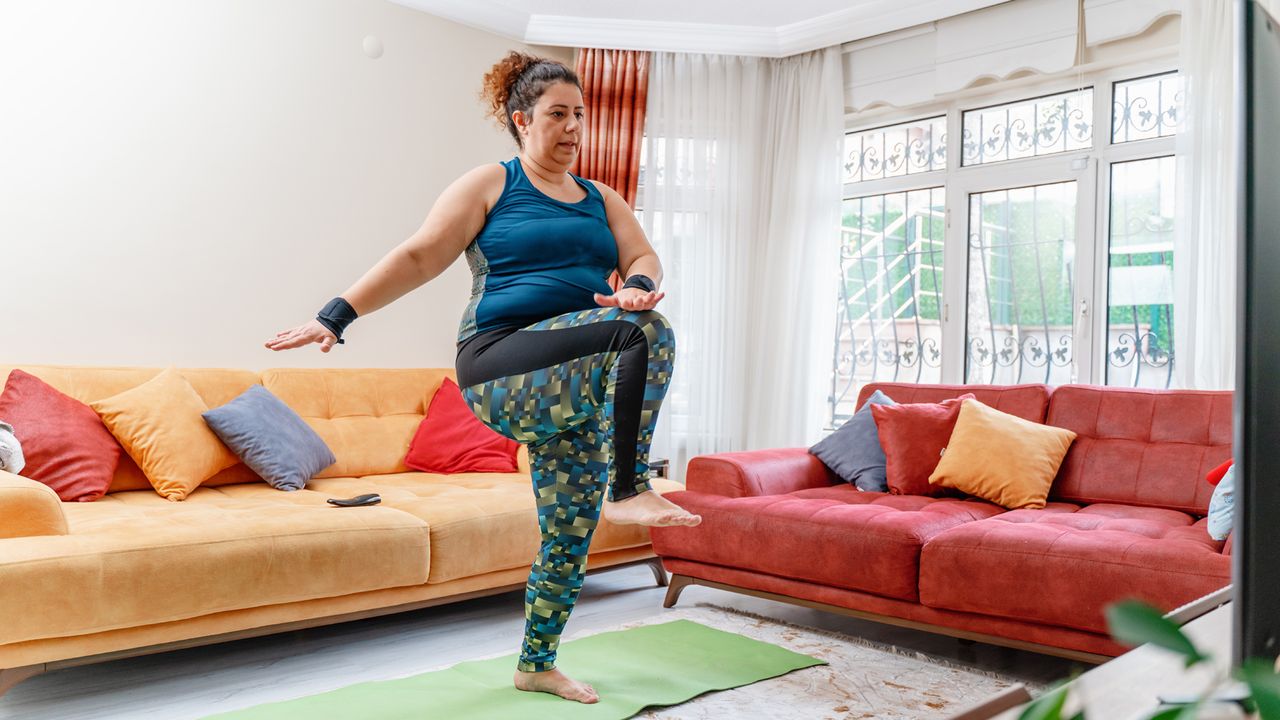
(311, 332)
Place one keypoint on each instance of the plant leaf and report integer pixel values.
(1135, 623)
(1048, 706)
(1264, 685)
(1181, 712)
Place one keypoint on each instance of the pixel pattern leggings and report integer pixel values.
(582, 390)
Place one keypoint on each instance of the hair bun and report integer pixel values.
(499, 81)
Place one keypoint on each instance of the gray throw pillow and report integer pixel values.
(853, 451)
(270, 438)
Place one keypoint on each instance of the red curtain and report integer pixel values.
(615, 85)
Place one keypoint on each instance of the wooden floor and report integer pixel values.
(218, 678)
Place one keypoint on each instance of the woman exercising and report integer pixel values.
(547, 354)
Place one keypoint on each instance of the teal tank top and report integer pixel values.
(537, 257)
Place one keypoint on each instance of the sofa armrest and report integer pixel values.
(756, 472)
(29, 508)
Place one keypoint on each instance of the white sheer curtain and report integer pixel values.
(1205, 229)
(740, 196)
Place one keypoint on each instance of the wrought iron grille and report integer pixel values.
(1147, 108)
(1029, 128)
(889, 313)
(904, 149)
(1021, 253)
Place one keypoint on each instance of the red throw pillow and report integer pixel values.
(452, 440)
(913, 436)
(65, 444)
(1215, 475)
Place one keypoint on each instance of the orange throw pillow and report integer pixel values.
(1001, 457)
(160, 424)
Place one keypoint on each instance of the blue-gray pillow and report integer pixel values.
(270, 438)
(1222, 506)
(853, 451)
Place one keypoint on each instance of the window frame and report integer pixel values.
(1090, 168)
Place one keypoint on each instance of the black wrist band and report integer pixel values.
(640, 282)
(336, 316)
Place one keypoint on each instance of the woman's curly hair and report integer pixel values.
(517, 81)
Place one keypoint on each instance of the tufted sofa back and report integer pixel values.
(1141, 447)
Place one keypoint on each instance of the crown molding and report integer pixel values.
(652, 35)
(854, 23)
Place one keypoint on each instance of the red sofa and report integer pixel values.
(1125, 519)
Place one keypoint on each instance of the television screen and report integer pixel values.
(1256, 551)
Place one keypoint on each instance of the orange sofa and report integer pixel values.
(134, 573)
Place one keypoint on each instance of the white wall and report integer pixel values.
(180, 180)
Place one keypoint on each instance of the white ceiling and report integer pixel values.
(739, 27)
(714, 12)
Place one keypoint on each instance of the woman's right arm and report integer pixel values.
(455, 219)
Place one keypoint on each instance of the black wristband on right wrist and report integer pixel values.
(641, 282)
(336, 315)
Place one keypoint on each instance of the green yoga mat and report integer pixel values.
(630, 670)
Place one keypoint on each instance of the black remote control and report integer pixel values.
(370, 499)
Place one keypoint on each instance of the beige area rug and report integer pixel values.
(863, 679)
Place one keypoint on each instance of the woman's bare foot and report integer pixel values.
(557, 683)
(648, 508)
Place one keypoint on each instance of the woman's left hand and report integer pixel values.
(630, 299)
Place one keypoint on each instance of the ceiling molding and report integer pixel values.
(854, 23)
(651, 35)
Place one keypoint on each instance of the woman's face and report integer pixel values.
(553, 135)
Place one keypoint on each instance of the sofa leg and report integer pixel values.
(659, 572)
(678, 583)
(12, 676)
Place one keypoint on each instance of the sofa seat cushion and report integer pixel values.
(1062, 565)
(479, 522)
(134, 558)
(836, 535)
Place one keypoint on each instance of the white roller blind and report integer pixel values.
(913, 65)
(1107, 20)
(996, 41)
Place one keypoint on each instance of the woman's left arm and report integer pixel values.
(635, 255)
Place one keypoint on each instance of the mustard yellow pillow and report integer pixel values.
(1002, 458)
(159, 424)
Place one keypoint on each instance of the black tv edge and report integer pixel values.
(1256, 551)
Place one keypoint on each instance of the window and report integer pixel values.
(1029, 128)
(891, 294)
(904, 149)
(982, 261)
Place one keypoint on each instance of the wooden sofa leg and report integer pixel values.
(678, 583)
(12, 676)
(659, 572)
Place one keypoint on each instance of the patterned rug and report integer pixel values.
(863, 679)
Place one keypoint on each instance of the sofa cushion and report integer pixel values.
(158, 424)
(836, 535)
(853, 451)
(913, 436)
(1064, 564)
(367, 417)
(1028, 402)
(64, 442)
(270, 438)
(1001, 457)
(133, 558)
(479, 522)
(451, 439)
(1141, 447)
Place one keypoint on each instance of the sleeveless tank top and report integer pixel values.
(537, 257)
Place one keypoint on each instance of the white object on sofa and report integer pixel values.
(11, 459)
